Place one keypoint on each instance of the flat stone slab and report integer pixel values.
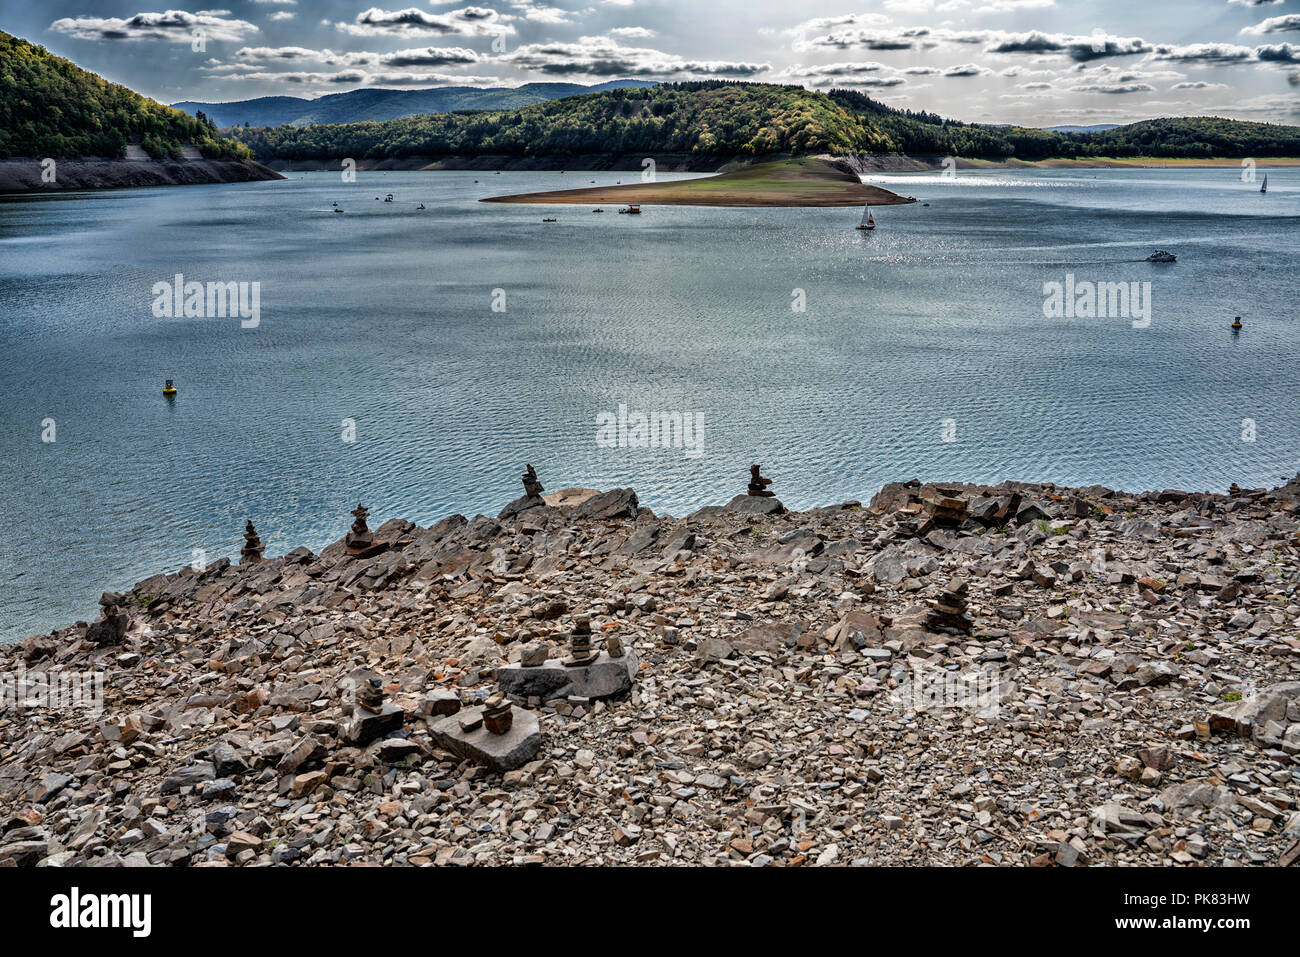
(499, 752)
(365, 726)
(566, 497)
(605, 677)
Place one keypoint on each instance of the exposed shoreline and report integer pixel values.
(814, 181)
(24, 175)
(1139, 653)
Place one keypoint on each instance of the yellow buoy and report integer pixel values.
(169, 390)
(1237, 323)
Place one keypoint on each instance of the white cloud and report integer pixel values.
(1217, 53)
(413, 22)
(1284, 24)
(602, 56)
(632, 33)
(414, 57)
(174, 26)
(360, 78)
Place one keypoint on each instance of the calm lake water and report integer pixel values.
(931, 328)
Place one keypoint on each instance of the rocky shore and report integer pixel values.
(952, 674)
(25, 175)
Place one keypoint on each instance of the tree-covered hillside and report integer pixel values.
(377, 104)
(710, 118)
(49, 106)
(724, 118)
(1195, 137)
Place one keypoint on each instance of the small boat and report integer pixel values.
(549, 220)
(597, 210)
(1264, 186)
(339, 209)
(421, 206)
(867, 221)
(634, 208)
(1160, 256)
(169, 390)
(388, 198)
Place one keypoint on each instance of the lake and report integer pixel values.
(416, 360)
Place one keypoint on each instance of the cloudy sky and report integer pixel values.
(1036, 62)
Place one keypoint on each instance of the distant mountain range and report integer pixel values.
(359, 106)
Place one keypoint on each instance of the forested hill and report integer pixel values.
(722, 118)
(49, 106)
(712, 118)
(377, 105)
(1194, 137)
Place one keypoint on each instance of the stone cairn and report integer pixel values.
(360, 538)
(373, 716)
(497, 716)
(114, 622)
(581, 652)
(252, 551)
(532, 487)
(948, 611)
(370, 695)
(758, 485)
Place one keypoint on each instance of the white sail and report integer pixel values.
(866, 213)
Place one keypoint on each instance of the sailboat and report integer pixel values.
(867, 221)
(1264, 186)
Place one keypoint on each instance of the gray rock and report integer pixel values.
(227, 761)
(534, 656)
(605, 677)
(614, 504)
(393, 750)
(219, 788)
(498, 752)
(857, 629)
(51, 785)
(440, 702)
(521, 505)
(188, 776)
(365, 726)
(755, 505)
(713, 649)
(771, 638)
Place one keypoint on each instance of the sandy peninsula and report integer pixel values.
(811, 181)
